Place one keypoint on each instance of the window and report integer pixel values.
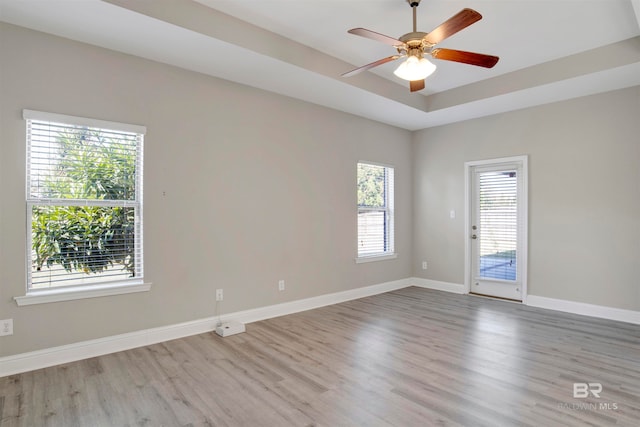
(84, 203)
(375, 211)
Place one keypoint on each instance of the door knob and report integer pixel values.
(473, 236)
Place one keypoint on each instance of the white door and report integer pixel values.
(496, 229)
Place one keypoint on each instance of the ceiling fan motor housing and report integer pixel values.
(414, 44)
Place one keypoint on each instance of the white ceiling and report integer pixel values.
(549, 50)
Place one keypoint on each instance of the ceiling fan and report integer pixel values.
(415, 45)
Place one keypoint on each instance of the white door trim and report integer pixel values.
(524, 206)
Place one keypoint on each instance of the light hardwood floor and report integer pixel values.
(412, 357)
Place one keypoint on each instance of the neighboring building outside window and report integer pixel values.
(84, 203)
(375, 211)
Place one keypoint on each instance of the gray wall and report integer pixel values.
(584, 195)
(258, 187)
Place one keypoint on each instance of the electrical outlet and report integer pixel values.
(424, 265)
(6, 327)
(219, 295)
(281, 285)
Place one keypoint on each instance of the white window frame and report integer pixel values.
(389, 209)
(99, 289)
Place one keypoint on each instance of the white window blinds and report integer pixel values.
(84, 201)
(375, 210)
(498, 213)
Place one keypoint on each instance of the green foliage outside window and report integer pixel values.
(86, 238)
(370, 186)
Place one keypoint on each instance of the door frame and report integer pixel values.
(523, 207)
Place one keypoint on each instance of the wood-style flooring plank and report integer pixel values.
(412, 357)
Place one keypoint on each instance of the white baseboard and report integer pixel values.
(271, 311)
(440, 286)
(30, 361)
(600, 311)
(38, 359)
(585, 309)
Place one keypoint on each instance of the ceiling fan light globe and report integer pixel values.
(415, 69)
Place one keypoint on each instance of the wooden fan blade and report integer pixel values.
(363, 32)
(457, 22)
(416, 85)
(373, 64)
(479, 59)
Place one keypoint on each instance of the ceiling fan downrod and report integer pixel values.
(414, 5)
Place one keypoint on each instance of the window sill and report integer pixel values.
(69, 294)
(376, 258)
